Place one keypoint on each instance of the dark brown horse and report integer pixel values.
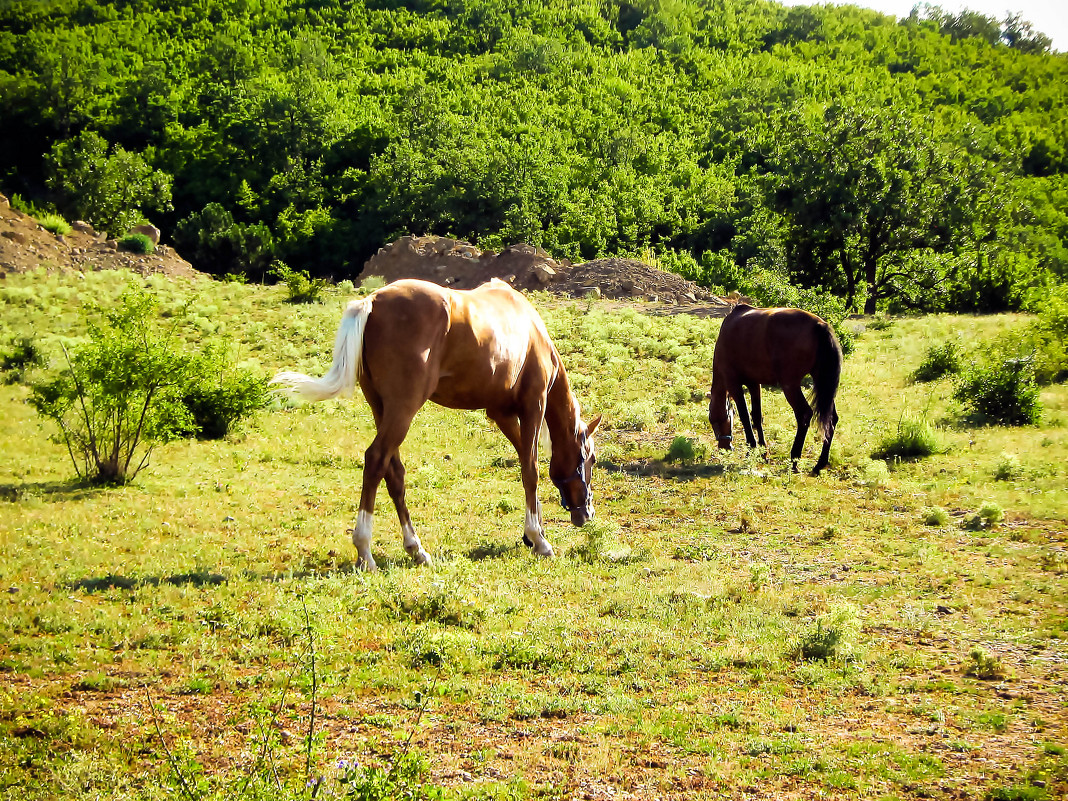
(485, 348)
(775, 347)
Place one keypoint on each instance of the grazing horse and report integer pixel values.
(484, 348)
(775, 347)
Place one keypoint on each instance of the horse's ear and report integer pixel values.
(593, 425)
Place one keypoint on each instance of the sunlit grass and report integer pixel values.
(723, 620)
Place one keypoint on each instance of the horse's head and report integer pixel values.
(721, 416)
(572, 472)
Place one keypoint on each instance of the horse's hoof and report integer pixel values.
(421, 557)
(527, 542)
(548, 553)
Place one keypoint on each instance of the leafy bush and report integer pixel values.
(940, 360)
(914, 439)
(136, 243)
(55, 224)
(17, 362)
(820, 643)
(302, 288)
(1008, 467)
(1001, 391)
(1049, 337)
(119, 395)
(219, 395)
(985, 517)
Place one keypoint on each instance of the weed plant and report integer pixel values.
(55, 224)
(137, 243)
(939, 361)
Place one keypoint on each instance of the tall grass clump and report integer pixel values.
(914, 439)
(938, 362)
(55, 223)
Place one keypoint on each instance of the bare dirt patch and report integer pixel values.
(26, 246)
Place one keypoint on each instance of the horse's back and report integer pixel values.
(768, 345)
(465, 348)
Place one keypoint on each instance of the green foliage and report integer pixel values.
(118, 395)
(914, 439)
(55, 223)
(1000, 391)
(405, 778)
(938, 362)
(820, 642)
(983, 665)
(315, 133)
(684, 449)
(24, 356)
(300, 287)
(218, 395)
(136, 243)
(986, 516)
(1048, 336)
(935, 516)
(112, 190)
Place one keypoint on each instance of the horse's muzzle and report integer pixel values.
(579, 517)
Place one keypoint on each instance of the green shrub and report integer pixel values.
(985, 517)
(219, 395)
(136, 243)
(17, 362)
(935, 516)
(684, 449)
(55, 224)
(1001, 391)
(1008, 467)
(820, 643)
(119, 395)
(914, 439)
(1049, 337)
(301, 287)
(940, 360)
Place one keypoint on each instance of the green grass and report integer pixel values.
(723, 624)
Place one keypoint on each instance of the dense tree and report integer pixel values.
(315, 132)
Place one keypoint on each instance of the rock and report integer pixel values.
(4, 202)
(15, 236)
(544, 273)
(112, 244)
(83, 227)
(151, 231)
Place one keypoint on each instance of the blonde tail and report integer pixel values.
(345, 370)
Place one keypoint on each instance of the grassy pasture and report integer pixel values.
(724, 629)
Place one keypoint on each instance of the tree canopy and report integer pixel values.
(902, 163)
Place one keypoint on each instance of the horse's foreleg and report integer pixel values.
(395, 485)
(743, 416)
(803, 414)
(825, 452)
(524, 439)
(758, 416)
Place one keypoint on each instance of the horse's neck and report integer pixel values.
(561, 411)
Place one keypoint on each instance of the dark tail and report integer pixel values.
(826, 375)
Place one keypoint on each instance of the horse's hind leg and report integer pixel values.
(803, 414)
(378, 465)
(825, 453)
(395, 485)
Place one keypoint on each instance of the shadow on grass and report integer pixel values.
(48, 491)
(112, 582)
(683, 471)
(494, 550)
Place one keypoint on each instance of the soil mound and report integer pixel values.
(25, 246)
(458, 264)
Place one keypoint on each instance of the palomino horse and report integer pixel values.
(775, 347)
(485, 348)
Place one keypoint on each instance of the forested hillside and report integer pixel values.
(915, 163)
